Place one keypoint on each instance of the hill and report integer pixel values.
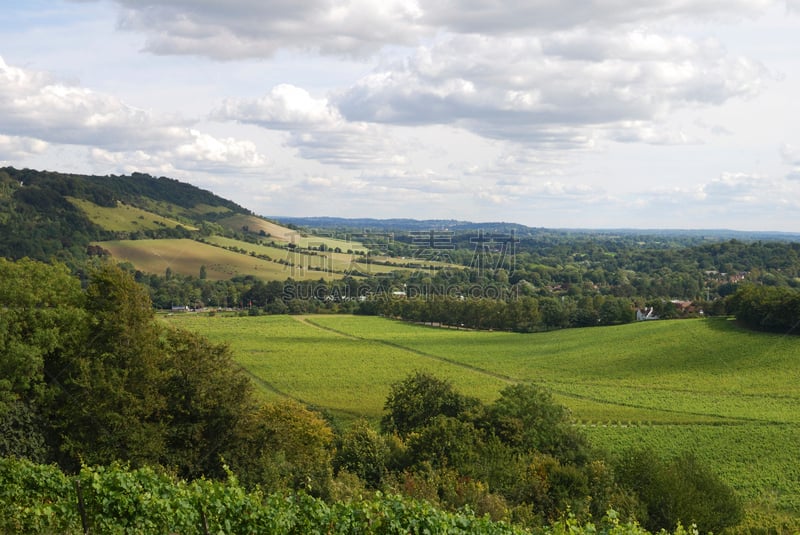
(706, 386)
(46, 215)
(159, 224)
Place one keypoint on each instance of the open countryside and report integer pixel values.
(727, 394)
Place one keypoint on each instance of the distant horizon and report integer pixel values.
(645, 230)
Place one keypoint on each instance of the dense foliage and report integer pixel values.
(41, 499)
(90, 377)
(767, 308)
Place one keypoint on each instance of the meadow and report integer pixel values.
(126, 218)
(729, 395)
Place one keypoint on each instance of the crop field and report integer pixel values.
(287, 235)
(729, 395)
(301, 261)
(185, 256)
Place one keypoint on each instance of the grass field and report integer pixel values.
(125, 218)
(731, 396)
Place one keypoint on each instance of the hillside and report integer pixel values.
(46, 215)
(159, 224)
(707, 386)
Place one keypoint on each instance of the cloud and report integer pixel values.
(256, 29)
(504, 16)
(512, 88)
(200, 152)
(39, 111)
(652, 133)
(316, 128)
(791, 156)
(285, 107)
(34, 104)
(238, 29)
(730, 193)
(15, 146)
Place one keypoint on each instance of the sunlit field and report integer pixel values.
(730, 395)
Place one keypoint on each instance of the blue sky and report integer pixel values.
(590, 114)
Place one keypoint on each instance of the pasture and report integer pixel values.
(125, 218)
(729, 395)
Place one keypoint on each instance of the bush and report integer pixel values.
(679, 491)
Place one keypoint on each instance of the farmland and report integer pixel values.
(727, 394)
(185, 256)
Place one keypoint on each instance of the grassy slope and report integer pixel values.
(702, 385)
(186, 256)
(125, 218)
(154, 256)
(286, 235)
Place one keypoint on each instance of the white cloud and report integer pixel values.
(254, 28)
(732, 193)
(502, 16)
(15, 146)
(39, 111)
(510, 88)
(317, 129)
(285, 107)
(36, 105)
(258, 29)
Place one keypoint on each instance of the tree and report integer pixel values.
(286, 445)
(363, 452)
(107, 403)
(526, 418)
(208, 403)
(41, 314)
(677, 490)
(446, 442)
(414, 401)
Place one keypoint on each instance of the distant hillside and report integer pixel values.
(401, 224)
(45, 215)
(371, 224)
(161, 224)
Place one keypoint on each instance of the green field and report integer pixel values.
(730, 395)
(228, 257)
(125, 218)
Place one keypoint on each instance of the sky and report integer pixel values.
(550, 113)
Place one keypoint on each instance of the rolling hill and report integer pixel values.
(160, 223)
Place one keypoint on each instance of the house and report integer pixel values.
(646, 314)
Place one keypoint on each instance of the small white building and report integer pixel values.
(646, 314)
